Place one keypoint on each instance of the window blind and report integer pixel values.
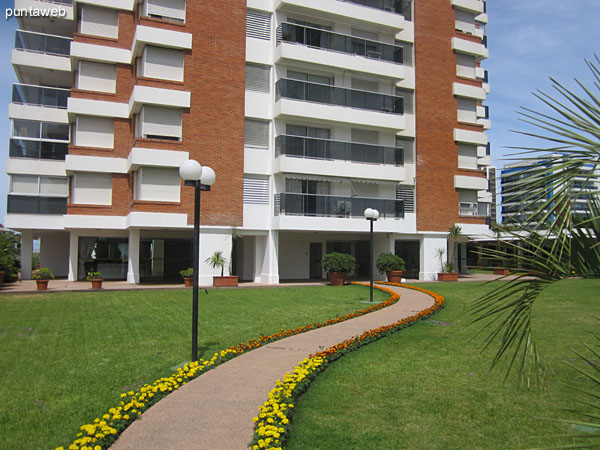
(258, 24)
(256, 190)
(258, 78)
(256, 133)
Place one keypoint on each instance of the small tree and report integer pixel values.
(10, 250)
(454, 234)
(217, 260)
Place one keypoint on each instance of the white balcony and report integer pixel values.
(18, 166)
(474, 6)
(487, 123)
(163, 38)
(348, 12)
(470, 183)
(98, 108)
(468, 91)
(157, 96)
(154, 158)
(470, 137)
(97, 164)
(290, 52)
(101, 53)
(470, 48)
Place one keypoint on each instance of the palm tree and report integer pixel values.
(557, 241)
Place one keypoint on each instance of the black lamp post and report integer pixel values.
(201, 178)
(371, 215)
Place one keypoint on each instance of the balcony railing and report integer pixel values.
(474, 209)
(394, 6)
(323, 93)
(354, 45)
(20, 148)
(26, 204)
(42, 43)
(312, 148)
(25, 94)
(293, 204)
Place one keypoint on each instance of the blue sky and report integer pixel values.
(529, 40)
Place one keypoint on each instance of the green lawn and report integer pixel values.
(66, 357)
(427, 387)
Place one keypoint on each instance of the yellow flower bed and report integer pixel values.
(272, 422)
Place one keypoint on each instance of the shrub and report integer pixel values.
(42, 274)
(10, 255)
(94, 276)
(338, 262)
(386, 262)
(217, 261)
(187, 273)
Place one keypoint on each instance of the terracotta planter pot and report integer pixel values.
(394, 276)
(337, 278)
(225, 281)
(501, 272)
(42, 285)
(188, 281)
(448, 276)
(96, 283)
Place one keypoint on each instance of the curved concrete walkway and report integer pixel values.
(215, 410)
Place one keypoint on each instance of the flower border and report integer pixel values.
(272, 423)
(104, 431)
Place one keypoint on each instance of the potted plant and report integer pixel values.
(337, 265)
(96, 279)
(392, 265)
(447, 273)
(188, 276)
(217, 260)
(42, 276)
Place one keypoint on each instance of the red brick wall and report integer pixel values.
(436, 116)
(213, 128)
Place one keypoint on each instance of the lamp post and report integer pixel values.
(201, 178)
(371, 215)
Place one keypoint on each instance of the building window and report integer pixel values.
(94, 76)
(39, 185)
(41, 130)
(107, 255)
(258, 78)
(98, 21)
(162, 63)
(92, 188)
(467, 110)
(157, 122)
(158, 184)
(467, 156)
(96, 132)
(173, 10)
(256, 133)
(407, 194)
(256, 190)
(258, 24)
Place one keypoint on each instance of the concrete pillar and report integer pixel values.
(26, 254)
(430, 261)
(73, 255)
(270, 265)
(133, 265)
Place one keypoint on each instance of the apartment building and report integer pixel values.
(519, 202)
(309, 111)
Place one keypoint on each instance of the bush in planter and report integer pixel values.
(217, 260)
(387, 262)
(42, 274)
(187, 273)
(338, 262)
(94, 276)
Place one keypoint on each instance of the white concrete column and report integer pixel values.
(73, 255)
(133, 265)
(26, 254)
(430, 261)
(270, 265)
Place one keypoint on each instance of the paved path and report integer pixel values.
(215, 410)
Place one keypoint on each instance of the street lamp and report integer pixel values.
(201, 178)
(371, 215)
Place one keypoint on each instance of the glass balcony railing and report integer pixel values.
(332, 95)
(29, 204)
(292, 204)
(474, 209)
(353, 45)
(312, 148)
(395, 6)
(21, 148)
(49, 97)
(42, 43)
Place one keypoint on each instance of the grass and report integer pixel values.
(66, 357)
(428, 387)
